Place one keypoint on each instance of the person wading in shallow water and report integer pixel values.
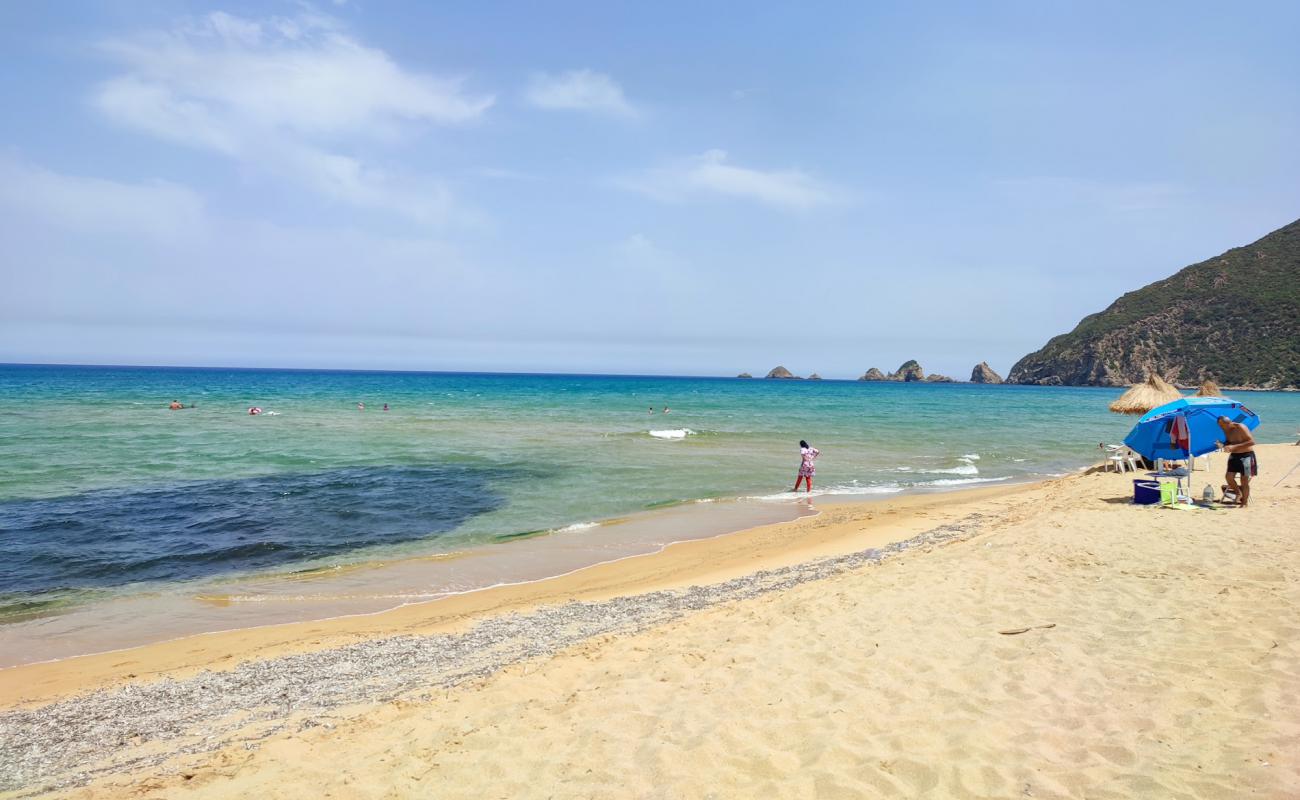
(807, 465)
(1240, 446)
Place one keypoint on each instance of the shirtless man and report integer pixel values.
(1241, 446)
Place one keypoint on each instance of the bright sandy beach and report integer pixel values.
(1043, 641)
(412, 400)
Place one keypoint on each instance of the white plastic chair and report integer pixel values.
(1121, 457)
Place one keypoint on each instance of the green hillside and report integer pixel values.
(1234, 318)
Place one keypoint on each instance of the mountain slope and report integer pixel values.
(1234, 318)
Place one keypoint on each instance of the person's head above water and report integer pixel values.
(803, 444)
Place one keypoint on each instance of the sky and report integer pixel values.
(653, 188)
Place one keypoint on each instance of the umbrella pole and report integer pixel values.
(1287, 475)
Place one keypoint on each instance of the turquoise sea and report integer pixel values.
(105, 493)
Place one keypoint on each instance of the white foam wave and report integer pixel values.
(674, 433)
(960, 481)
(964, 469)
(883, 489)
(830, 490)
(972, 456)
(577, 526)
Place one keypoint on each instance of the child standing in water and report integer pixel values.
(807, 465)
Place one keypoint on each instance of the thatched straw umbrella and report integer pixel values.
(1142, 397)
(1209, 389)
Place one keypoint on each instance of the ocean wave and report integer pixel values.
(972, 456)
(881, 489)
(577, 526)
(673, 433)
(961, 481)
(964, 469)
(841, 489)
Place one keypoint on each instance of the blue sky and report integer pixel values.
(607, 187)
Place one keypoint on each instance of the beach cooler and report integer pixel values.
(1146, 493)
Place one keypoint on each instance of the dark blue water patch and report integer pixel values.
(108, 538)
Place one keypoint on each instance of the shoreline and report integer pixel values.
(1065, 640)
(366, 588)
(689, 559)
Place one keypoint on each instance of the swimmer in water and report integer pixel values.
(666, 411)
(175, 405)
(361, 406)
(254, 411)
(385, 406)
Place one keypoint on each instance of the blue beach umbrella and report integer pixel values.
(1152, 436)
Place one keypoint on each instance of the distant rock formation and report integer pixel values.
(983, 373)
(744, 375)
(937, 378)
(1232, 318)
(908, 372)
(782, 373)
(814, 377)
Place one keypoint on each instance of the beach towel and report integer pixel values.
(1179, 437)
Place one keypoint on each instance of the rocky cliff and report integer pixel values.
(781, 372)
(1234, 319)
(909, 371)
(983, 373)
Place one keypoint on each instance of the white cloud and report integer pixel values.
(285, 95)
(105, 252)
(153, 210)
(348, 180)
(712, 174)
(579, 90)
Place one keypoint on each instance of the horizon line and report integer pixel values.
(435, 371)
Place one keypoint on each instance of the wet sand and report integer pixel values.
(370, 587)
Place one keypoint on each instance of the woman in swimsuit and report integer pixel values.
(807, 465)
